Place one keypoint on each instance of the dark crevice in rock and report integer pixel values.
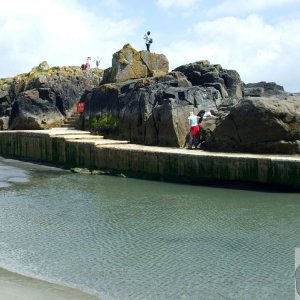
(236, 127)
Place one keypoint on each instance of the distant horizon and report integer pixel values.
(258, 38)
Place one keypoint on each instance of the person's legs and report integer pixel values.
(190, 141)
(148, 47)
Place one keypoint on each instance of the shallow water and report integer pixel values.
(122, 238)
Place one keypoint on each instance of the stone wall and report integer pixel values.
(151, 162)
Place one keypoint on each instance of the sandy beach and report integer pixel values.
(17, 287)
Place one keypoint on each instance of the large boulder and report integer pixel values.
(29, 111)
(202, 73)
(258, 125)
(128, 64)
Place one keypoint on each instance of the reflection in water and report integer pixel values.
(131, 239)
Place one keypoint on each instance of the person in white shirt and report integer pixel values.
(207, 115)
(148, 40)
(193, 119)
(88, 62)
(204, 115)
(97, 61)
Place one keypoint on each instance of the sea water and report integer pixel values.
(121, 238)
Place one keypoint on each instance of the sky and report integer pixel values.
(259, 39)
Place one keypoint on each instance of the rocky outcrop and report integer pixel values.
(227, 82)
(264, 89)
(45, 96)
(130, 64)
(258, 125)
(152, 111)
(138, 100)
(157, 114)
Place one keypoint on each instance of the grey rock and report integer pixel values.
(263, 89)
(259, 125)
(151, 111)
(31, 112)
(202, 73)
(4, 123)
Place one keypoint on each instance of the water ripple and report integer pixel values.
(131, 239)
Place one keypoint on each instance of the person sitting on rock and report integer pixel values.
(87, 64)
(148, 40)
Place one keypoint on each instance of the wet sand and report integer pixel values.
(18, 287)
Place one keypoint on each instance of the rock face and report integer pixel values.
(258, 125)
(46, 96)
(30, 111)
(227, 82)
(157, 114)
(152, 111)
(130, 64)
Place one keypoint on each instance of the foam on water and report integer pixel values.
(122, 238)
(10, 175)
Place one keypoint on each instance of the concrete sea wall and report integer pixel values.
(70, 148)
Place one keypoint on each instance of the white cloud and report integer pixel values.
(166, 4)
(66, 32)
(258, 51)
(233, 7)
(111, 2)
(63, 33)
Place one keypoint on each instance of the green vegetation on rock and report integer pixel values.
(107, 124)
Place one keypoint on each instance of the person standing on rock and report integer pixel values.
(88, 60)
(194, 129)
(97, 61)
(148, 40)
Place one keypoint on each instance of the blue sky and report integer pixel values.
(258, 38)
